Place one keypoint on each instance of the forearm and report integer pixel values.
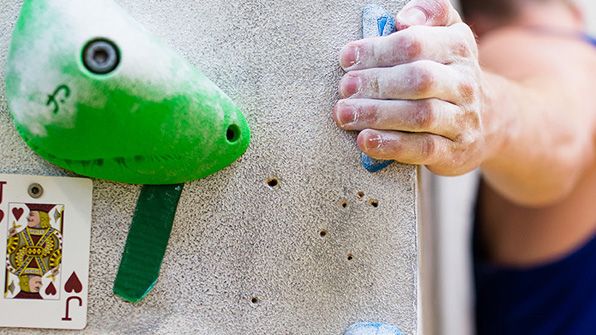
(539, 139)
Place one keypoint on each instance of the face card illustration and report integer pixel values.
(34, 251)
(45, 226)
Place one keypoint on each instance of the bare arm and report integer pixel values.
(547, 107)
(420, 97)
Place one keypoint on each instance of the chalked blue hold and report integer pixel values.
(373, 165)
(372, 328)
(376, 21)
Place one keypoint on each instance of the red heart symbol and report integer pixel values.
(1, 215)
(51, 289)
(73, 284)
(18, 212)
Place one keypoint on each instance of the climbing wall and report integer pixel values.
(295, 238)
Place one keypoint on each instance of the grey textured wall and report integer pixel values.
(235, 238)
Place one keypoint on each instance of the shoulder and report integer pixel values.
(520, 52)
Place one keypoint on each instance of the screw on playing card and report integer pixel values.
(45, 227)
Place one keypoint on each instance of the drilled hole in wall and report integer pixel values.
(374, 203)
(350, 257)
(360, 195)
(343, 203)
(272, 182)
(323, 233)
(254, 300)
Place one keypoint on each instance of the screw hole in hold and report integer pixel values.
(374, 203)
(254, 300)
(272, 182)
(35, 191)
(101, 56)
(233, 133)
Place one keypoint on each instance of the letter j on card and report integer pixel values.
(45, 228)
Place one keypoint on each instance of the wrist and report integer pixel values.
(496, 112)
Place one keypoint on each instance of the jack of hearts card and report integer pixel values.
(45, 228)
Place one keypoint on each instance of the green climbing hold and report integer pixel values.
(147, 241)
(90, 91)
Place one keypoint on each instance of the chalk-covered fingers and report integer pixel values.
(413, 81)
(428, 13)
(409, 148)
(417, 95)
(444, 45)
(428, 116)
(441, 155)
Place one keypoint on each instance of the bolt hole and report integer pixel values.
(272, 182)
(350, 257)
(233, 133)
(343, 203)
(101, 56)
(360, 195)
(254, 300)
(35, 191)
(323, 233)
(374, 203)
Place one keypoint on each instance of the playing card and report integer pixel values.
(45, 227)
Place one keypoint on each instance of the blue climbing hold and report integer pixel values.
(376, 21)
(382, 22)
(372, 328)
(373, 165)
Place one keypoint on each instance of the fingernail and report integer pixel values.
(350, 56)
(350, 85)
(412, 17)
(373, 142)
(344, 114)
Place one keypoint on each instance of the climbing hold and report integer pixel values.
(376, 21)
(373, 165)
(90, 91)
(147, 241)
(372, 328)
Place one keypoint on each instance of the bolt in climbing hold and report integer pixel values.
(101, 56)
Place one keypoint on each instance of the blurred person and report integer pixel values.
(519, 105)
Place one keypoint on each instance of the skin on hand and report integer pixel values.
(417, 95)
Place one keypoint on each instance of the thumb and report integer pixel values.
(428, 13)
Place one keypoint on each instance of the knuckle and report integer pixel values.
(467, 91)
(465, 139)
(464, 30)
(373, 85)
(422, 78)
(467, 37)
(424, 115)
(427, 147)
(461, 49)
(368, 114)
(408, 46)
(440, 9)
(474, 120)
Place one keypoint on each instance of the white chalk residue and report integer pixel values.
(148, 69)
